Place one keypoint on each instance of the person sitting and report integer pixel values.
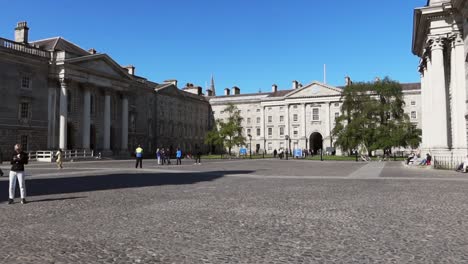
(410, 158)
(463, 166)
(428, 159)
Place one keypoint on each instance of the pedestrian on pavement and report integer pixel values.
(59, 160)
(179, 156)
(18, 159)
(158, 156)
(275, 152)
(139, 156)
(198, 157)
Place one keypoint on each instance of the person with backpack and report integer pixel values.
(18, 159)
(139, 157)
(179, 156)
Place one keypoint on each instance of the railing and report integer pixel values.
(5, 43)
(449, 162)
(48, 156)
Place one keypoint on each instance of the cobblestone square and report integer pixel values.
(240, 211)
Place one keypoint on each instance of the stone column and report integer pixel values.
(438, 133)
(51, 118)
(124, 146)
(458, 83)
(304, 124)
(424, 117)
(107, 121)
(63, 114)
(86, 126)
(426, 109)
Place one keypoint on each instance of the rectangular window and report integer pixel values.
(281, 131)
(337, 115)
(337, 104)
(258, 110)
(270, 146)
(258, 120)
(295, 133)
(315, 114)
(295, 106)
(24, 111)
(295, 118)
(25, 82)
(281, 145)
(281, 118)
(270, 119)
(269, 108)
(413, 103)
(270, 131)
(413, 115)
(248, 131)
(24, 142)
(248, 120)
(258, 132)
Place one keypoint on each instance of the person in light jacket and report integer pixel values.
(18, 159)
(179, 156)
(59, 161)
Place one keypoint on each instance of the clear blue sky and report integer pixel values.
(248, 43)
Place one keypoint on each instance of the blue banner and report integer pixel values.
(243, 151)
(298, 153)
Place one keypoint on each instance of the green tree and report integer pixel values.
(372, 117)
(227, 132)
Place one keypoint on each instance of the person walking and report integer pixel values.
(275, 152)
(179, 156)
(139, 157)
(18, 159)
(198, 156)
(158, 156)
(59, 160)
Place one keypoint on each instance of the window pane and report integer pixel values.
(25, 110)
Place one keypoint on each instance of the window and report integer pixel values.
(295, 133)
(24, 142)
(258, 132)
(269, 108)
(270, 131)
(295, 118)
(248, 120)
(281, 131)
(25, 82)
(258, 110)
(24, 110)
(413, 103)
(281, 145)
(258, 120)
(248, 131)
(281, 118)
(337, 104)
(315, 114)
(337, 115)
(270, 119)
(413, 115)
(295, 106)
(270, 146)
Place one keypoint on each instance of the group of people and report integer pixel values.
(415, 159)
(163, 156)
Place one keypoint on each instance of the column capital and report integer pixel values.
(436, 43)
(65, 81)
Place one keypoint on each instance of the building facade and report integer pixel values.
(54, 94)
(298, 118)
(440, 39)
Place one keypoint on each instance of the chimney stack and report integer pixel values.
(130, 69)
(348, 81)
(22, 32)
(235, 90)
(274, 88)
(295, 84)
(227, 91)
(92, 51)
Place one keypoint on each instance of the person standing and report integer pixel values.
(139, 157)
(18, 159)
(198, 157)
(168, 156)
(275, 153)
(59, 160)
(179, 156)
(158, 156)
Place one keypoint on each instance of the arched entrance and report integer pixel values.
(315, 141)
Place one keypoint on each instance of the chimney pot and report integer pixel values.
(227, 91)
(92, 51)
(22, 32)
(274, 88)
(235, 90)
(348, 81)
(295, 84)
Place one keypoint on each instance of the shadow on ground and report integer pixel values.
(49, 186)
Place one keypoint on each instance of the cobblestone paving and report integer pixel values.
(233, 212)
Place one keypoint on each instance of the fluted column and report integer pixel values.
(63, 114)
(52, 111)
(107, 121)
(458, 83)
(424, 117)
(439, 136)
(124, 146)
(86, 118)
(427, 114)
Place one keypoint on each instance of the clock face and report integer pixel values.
(315, 89)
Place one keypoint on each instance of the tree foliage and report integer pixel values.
(227, 132)
(372, 117)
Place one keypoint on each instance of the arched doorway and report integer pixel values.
(316, 140)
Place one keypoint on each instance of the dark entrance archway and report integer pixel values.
(70, 136)
(315, 141)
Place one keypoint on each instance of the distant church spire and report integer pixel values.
(212, 85)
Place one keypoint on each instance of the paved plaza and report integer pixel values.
(240, 211)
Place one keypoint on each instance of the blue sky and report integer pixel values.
(247, 43)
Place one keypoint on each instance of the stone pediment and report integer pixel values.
(100, 63)
(313, 90)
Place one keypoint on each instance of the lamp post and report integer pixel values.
(250, 139)
(287, 139)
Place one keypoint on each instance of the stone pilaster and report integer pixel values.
(86, 126)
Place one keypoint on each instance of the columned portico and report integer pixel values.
(459, 98)
(107, 122)
(63, 111)
(86, 126)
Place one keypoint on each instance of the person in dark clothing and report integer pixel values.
(428, 159)
(275, 152)
(18, 159)
(198, 157)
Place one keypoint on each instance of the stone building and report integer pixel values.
(304, 114)
(440, 39)
(55, 94)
